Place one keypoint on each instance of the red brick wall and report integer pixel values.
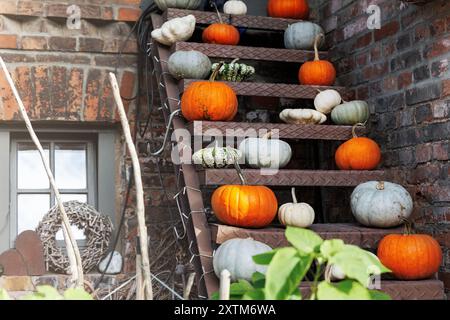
(402, 70)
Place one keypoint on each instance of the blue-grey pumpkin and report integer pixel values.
(189, 65)
(301, 35)
(350, 113)
(181, 4)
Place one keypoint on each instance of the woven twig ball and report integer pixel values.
(97, 229)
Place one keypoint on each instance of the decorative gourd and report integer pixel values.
(216, 157)
(236, 256)
(177, 29)
(209, 100)
(290, 9)
(334, 273)
(317, 72)
(302, 116)
(350, 113)
(381, 204)
(233, 71)
(243, 205)
(358, 153)
(221, 33)
(302, 35)
(181, 4)
(189, 65)
(296, 214)
(410, 256)
(265, 152)
(327, 100)
(235, 7)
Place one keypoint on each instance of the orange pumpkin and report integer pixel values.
(410, 256)
(290, 9)
(209, 100)
(358, 153)
(243, 205)
(317, 72)
(221, 33)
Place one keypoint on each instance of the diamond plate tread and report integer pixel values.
(249, 53)
(358, 235)
(282, 130)
(255, 89)
(324, 178)
(403, 290)
(252, 22)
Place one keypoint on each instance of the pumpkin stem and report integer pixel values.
(216, 71)
(294, 198)
(239, 171)
(380, 185)
(409, 225)
(217, 11)
(316, 50)
(268, 135)
(361, 125)
(234, 61)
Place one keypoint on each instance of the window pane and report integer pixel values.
(30, 210)
(30, 170)
(78, 233)
(70, 165)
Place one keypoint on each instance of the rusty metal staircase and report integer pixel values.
(204, 236)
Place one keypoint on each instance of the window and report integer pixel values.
(72, 162)
(83, 163)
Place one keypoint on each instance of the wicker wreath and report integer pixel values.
(97, 229)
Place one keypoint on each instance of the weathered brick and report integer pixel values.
(62, 44)
(404, 80)
(437, 48)
(91, 100)
(75, 93)
(438, 27)
(22, 77)
(41, 107)
(387, 30)
(422, 32)
(424, 113)
(34, 43)
(58, 95)
(446, 88)
(375, 71)
(435, 131)
(439, 68)
(128, 14)
(8, 41)
(441, 151)
(423, 153)
(91, 44)
(420, 94)
(421, 73)
(403, 42)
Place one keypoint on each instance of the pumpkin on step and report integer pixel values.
(216, 157)
(189, 65)
(266, 152)
(236, 256)
(358, 153)
(209, 100)
(243, 205)
(302, 35)
(296, 214)
(177, 29)
(235, 7)
(350, 113)
(221, 33)
(289, 9)
(302, 116)
(410, 256)
(381, 204)
(317, 72)
(180, 4)
(327, 100)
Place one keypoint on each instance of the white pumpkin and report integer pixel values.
(235, 7)
(236, 256)
(381, 204)
(177, 29)
(334, 273)
(266, 152)
(296, 214)
(326, 100)
(302, 116)
(216, 157)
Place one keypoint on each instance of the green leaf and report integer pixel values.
(259, 280)
(43, 293)
(77, 294)
(344, 290)
(285, 273)
(257, 294)
(296, 295)
(304, 240)
(378, 295)
(358, 264)
(237, 290)
(4, 294)
(264, 258)
(330, 247)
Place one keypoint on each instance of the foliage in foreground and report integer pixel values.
(287, 268)
(50, 293)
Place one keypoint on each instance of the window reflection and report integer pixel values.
(30, 172)
(30, 210)
(70, 165)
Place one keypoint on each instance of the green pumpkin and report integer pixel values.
(189, 65)
(301, 35)
(350, 113)
(180, 4)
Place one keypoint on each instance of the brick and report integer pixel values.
(375, 71)
(34, 43)
(386, 31)
(424, 113)
(421, 73)
(62, 44)
(436, 193)
(75, 93)
(91, 100)
(390, 83)
(403, 42)
(435, 131)
(375, 53)
(437, 48)
(423, 153)
(392, 103)
(22, 78)
(30, 8)
(423, 93)
(441, 151)
(361, 59)
(90, 45)
(404, 80)
(106, 102)
(16, 283)
(427, 173)
(446, 87)
(364, 41)
(8, 41)
(438, 27)
(41, 106)
(439, 68)
(362, 93)
(422, 33)
(58, 93)
(405, 118)
(441, 109)
(388, 48)
(403, 138)
(128, 14)
(406, 60)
